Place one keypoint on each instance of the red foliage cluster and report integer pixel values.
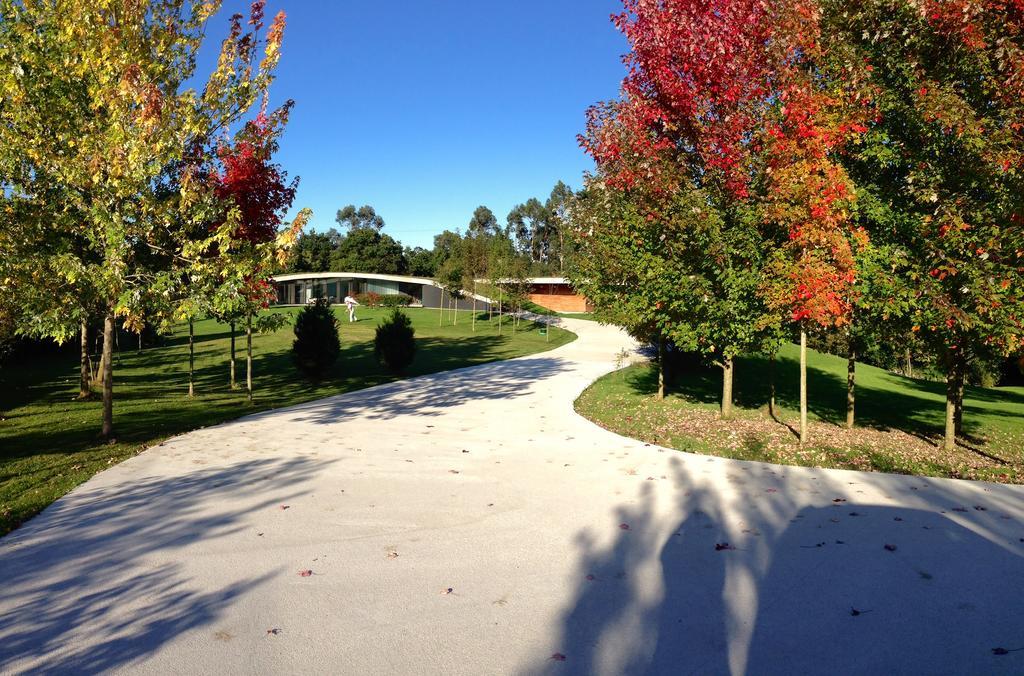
(702, 68)
(255, 184)
(728, 84)
(811, 194)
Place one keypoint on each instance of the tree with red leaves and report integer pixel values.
(942, 163)
(726, 98)
(229, 274)
(258, 192)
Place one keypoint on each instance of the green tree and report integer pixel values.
(317, 344)
(365, 217)
(447, 244)
(420, 261)
(942, 159)
(97, 99)
(367, 250)
(483, 222)
(558, 207)
(312, 251)
(528, 224)
(394, 342)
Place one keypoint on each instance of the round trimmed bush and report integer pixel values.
(317, 344)
(394, 344)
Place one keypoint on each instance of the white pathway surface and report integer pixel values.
(567, 549)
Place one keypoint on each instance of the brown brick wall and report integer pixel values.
(560, 302)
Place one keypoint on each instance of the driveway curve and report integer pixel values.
(470, 522)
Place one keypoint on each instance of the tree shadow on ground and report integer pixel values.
(431, 395)
(87, 585)
(913, 406)
(277, 383)
(779, 569)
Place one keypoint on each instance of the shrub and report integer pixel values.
(316, 345)
(394, 344)
(368, 299)
(394, 300)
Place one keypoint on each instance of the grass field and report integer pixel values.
(899, 419)
(49, 444)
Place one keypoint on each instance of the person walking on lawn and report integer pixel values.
(351, 303)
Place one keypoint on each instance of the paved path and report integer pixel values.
(471, 523)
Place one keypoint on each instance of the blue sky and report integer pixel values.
(426, 109)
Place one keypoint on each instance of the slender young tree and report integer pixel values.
(131, 65)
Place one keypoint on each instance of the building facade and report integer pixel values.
(302, 287)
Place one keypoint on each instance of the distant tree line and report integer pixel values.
(534, 233)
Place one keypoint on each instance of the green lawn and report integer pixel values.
(899, 419)
(48, 441)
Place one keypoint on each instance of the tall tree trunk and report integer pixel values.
(851, 382)
(108, 375)
(474, 307)
(661, 367)
(440, 317)
(499, 311)
(958, 411)
(803, 386)
(191, 358)
(233, 385)
(771, 385)
(84, 373)
(949, 440)
(140, 341)
(248, 356)
(910, 364)
(97, 380)
(727, 371)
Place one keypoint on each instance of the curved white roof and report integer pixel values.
(294, 276)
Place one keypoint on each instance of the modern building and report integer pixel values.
(301, 287)
(557, 294)
(552, 293)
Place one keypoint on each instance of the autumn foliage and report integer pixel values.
(843, 132)
(251, 182)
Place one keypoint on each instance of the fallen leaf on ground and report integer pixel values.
(591, 577)
(305, 573)
(447, 591)
(624, 526)
(855, 612)
(275, 631)
(890, 548)
(285, 506)
(558, 657)
(722, 546)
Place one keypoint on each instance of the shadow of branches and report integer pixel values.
(102, 561)
(781, 569)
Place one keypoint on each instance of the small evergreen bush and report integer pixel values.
(394, 344)
(317, 344)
